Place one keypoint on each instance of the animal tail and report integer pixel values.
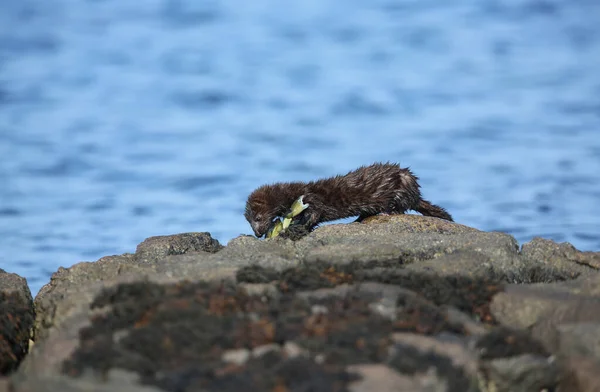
(426, 208)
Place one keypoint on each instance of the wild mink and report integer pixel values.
(366, 191)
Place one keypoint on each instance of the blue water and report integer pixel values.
(120, 120)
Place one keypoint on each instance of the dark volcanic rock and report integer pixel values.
(382, 378)
(410, 359)
(477, 265)
(504, 342)
(185, 336)
(71, 286)
(522, 306)
(563, 256)
(155, 248)
(523, 373)
(565, 318)
(472, 296)
(577, 346)
(469, 295)
(157, 322)
(514, 361)
(394, 302)
(16, 320)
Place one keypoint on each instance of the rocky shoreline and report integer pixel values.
(396, 303)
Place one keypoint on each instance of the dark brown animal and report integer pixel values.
(366, 191)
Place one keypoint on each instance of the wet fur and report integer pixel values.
(366, 191)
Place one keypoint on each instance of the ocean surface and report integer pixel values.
(121, 120)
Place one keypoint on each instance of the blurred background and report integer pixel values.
(121, 120)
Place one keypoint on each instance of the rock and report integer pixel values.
(237, 356)
(394, 301)
(246, 250)
(577, 346)
(585, 285)
(175, 321)
(16, 320)
(158, 247)
(579, 340)
(382, 378)
(382, 244)
(523, 373)
(455, 349)
(523, 307)
(71, 286)
(240, 252)
(391, 242)
(510, 269)
(396, 224)
(581, 375)
(143, 328)
(563, 255)
(513, 360)
(14, 284)
(419, 359)
(565, 317)
(553, 329)
(116, 381)
(502, 342)
(409, 223)
(4, 384)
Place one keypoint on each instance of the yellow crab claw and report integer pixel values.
(275, 230)
(297, 207)
(286, 222)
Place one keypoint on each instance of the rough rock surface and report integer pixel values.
(155, 248)
(71, 286)
(4, 384)
(563, 254)
(565, 317)
(394, 303)
(16, 320)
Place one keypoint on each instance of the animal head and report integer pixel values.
(262, 207)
